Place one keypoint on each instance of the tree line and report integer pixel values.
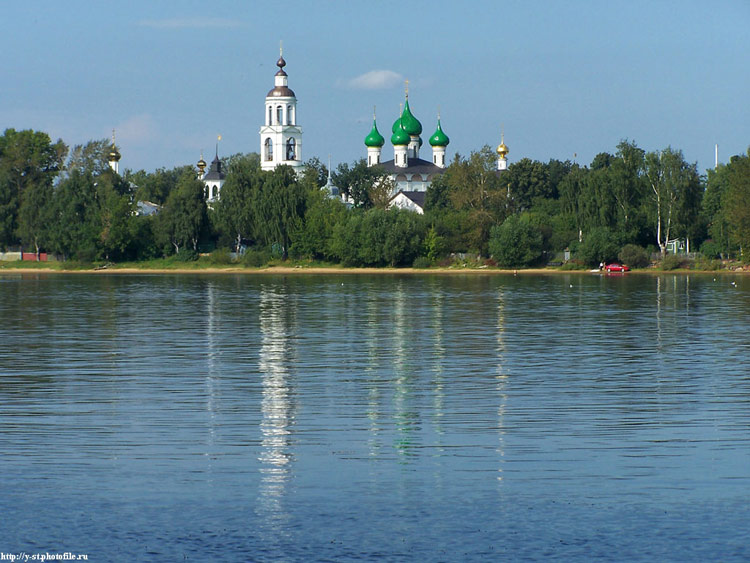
(627, 204)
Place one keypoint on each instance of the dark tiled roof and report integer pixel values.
(215, 172)
(416, 166)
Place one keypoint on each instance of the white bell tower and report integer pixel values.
(280, 137)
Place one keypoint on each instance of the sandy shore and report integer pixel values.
(339, 270)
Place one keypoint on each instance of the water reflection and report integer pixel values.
(213, 374)
(404, 417)
(501, 381)
(276, 407)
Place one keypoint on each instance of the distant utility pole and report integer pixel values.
(716, 156)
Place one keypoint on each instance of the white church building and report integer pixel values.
(281, 144)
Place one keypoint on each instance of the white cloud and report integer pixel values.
(195, 23)
(376, 80)
(137, 129)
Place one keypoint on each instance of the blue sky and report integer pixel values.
(562, 78)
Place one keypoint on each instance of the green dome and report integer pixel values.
(410, 123)
(400, 137)
(374, 139)
(396, 125)
(439, 139)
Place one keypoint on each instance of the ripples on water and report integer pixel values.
(375, 417)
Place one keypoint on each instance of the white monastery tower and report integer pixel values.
(502, 153)
(280, 137)
(114, 156)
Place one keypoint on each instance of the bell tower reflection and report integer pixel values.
(276, 407)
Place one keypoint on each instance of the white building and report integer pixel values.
(114, 156)
(280, 136)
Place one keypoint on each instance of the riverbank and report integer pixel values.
(300, 269)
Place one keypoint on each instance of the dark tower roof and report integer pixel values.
(216, 171)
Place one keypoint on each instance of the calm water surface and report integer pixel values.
(354, 417)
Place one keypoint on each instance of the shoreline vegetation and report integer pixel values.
(166, 266)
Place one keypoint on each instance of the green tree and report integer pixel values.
(93, 157)
(280, 208)
(675, 187)
(75, 227)
(599, 245)
(467, 200)
(235, 209)
(35, 215)
(515, 242)
(322, 214)
(736, 201)
(527, 180)
(182, 219)
(27, 158)
(158, 185)
(714, 211)
(363, 184)
(114, 215)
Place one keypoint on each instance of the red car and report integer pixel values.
(616, 268)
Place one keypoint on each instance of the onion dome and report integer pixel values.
(502, 150)
(400, 137)
(439, 139)
(374, 139)
(410, 123)
(281, 63)
(201, 164)
(114, 154)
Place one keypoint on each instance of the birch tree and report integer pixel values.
(674, 186)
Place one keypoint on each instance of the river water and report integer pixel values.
(375, 417)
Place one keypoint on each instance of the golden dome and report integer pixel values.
(502, 150)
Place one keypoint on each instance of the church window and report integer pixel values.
(279, 120)
(269, 149)
(216, 193)
(290, 149)
(288, 115)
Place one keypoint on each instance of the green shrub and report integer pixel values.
(711, 249)
(186, 255)
(705, 264)
(574, 265)
(599, 245)
(220, 257)
(256, 258)
(634, 256)
(672, 262)
(422, 262)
